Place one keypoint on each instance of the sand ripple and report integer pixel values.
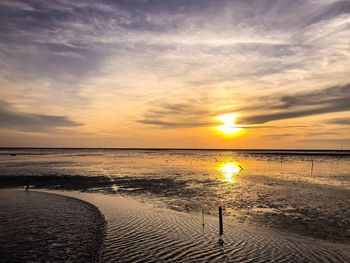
(141, 233)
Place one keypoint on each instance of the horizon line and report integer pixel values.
(172, 148)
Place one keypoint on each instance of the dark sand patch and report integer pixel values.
(66, 182)
(43, 227)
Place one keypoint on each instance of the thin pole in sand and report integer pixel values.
(221, 227)
(203, 218)
(312, 165)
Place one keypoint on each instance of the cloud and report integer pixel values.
(16, 5)
(187, 114)
(216, 40)
(10, 119)
(329, 11)
(108, 58)
(279, 136)
(339, 121)
(327, 141)
(326, 133)
(196, 113)
(333, 99)
(177, 124)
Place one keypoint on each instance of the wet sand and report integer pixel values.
(303, 192)
(313, 210)
(304, 195)
(140, 232)
(44, 227)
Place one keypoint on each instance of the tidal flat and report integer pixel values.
(301, 193)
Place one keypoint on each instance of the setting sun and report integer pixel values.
(229, 127)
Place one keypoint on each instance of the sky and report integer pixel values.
(177, 73)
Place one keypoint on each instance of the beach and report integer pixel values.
(141, 232)
(153, 202)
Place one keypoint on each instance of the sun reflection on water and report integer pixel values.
(230, 170)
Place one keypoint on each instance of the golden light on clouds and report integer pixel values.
(229, 126)
(290, 90)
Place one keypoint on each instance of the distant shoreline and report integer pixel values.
(174, 149)
(250, 151)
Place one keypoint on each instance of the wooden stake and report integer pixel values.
(221, 225)
(203, 218)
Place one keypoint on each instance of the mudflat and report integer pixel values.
(45, 227)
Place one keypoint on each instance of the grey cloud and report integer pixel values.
(195, 113)
(279, 136)
(331, 95)
(191, 113)
(327, 141)
(162, 16)
(329, 11)
(11, 119)
(52, 36)
(312, 134)
(16, 5)
(339, 121)
(61, 27)
(185, 108)
(309, 134)
(333, 99)
(252, 127)
(176, 124)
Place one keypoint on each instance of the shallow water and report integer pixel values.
(303, 192)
